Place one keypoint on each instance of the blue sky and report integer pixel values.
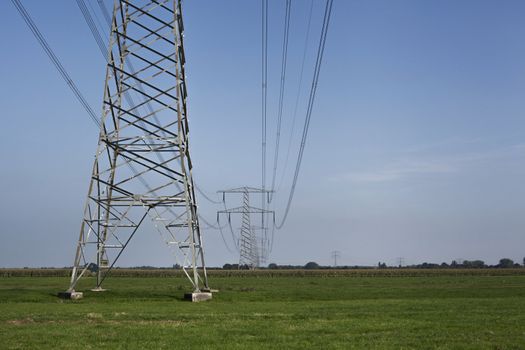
(416, 147)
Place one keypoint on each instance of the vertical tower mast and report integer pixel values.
(249, 254)
(142, 167)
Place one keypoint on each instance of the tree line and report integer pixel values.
(465, 264)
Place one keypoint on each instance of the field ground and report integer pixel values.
(441, 311)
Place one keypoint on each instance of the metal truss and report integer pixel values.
(252, 247)
(142, 168)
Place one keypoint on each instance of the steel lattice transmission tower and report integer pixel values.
(336, 254)
(252, 249)
(142, 168)
(249, 254)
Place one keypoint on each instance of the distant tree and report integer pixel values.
(454, 263)
(381, 265)
(506, 263)
(444, 265)
(523, 262)
(272, 266)
(478, 263)
(427, 265)
(227, 266)
(311, 265)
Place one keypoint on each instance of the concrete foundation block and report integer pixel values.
(198, 296)
(71, 295)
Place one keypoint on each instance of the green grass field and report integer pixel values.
(442, 311)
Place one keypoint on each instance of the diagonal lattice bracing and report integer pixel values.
(142, 168)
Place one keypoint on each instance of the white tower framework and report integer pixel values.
(142, 168)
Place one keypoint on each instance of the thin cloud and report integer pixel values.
(424, 165)
(400, 170)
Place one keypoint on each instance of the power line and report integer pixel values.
(210, 225)
(105, 12)
(308, 27)
(225, 243)
(264, 96)
(93, 28)
(270, 244)
(264, 85)
(296, 106)
(281, 90)
(56, 62)
(206, 196)
(313, 89)
(234, 239)
(90, 4)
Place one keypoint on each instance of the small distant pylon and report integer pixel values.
(335, 255)
(252, 247)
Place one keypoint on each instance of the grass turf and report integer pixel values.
(284, 312)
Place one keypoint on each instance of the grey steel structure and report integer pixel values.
(252, 248)
(336, 254)
(142, 168)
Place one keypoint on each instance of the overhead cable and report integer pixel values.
(56, 62)
(281, 91)
(313, 89)
(264, 86)
(297, 97)
(264, 59)
(93, 28)
(105, 11)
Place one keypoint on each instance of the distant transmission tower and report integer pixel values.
(142, 166)
(253, 248)
(335, 255)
